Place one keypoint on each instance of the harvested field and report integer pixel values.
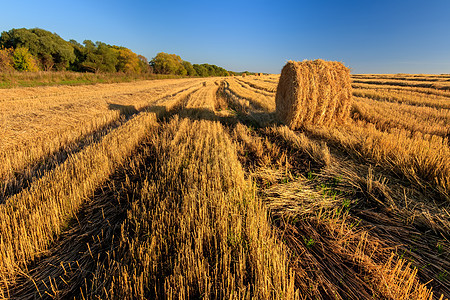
(191, 188)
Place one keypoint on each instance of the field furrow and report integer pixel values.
(311, 218)
(445, 86)
(387, 116)
(408, 96)
(253, 98)
(31, 219)
(57, 130)
(267, 89)
(192, 188)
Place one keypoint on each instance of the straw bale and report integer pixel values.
(314, 92)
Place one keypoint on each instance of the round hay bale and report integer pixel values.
(313, 92)
(244, 74)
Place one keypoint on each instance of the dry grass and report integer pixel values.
(313, 92)
(31, 218)
(438, 85)
(212, 198)
(424, 97)
(249, 85)
(387, 116)
(251, 99)
(46, 129)
(420, 158)
(259, 86)
(333, 257)
(200, 217)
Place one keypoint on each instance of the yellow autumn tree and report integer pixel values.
(24, 61)
(128, 61)
(6, 60)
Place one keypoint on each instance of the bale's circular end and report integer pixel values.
(287, 94)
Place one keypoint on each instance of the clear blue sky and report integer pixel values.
(376, 36)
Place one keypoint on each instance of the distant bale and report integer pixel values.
(204, 83)
(244, 74)
(314, 92)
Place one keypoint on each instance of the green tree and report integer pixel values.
(51, 50)
(201, 70)
(164, 63)
(189, 68)
(100, 57)
(144, 64)
(205, 70)
(24, 61)
(80, 56)
(47, 61)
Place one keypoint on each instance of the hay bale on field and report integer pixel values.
(244, 74)
(313, 92)
(204, 83)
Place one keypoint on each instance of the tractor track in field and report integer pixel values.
(339, 214)
(24, 178)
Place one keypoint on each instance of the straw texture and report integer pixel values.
(314, 92)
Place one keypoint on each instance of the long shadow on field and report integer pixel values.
(417, 240)
(22, 179)
(126, 110)
(89, 241)
(228, 118)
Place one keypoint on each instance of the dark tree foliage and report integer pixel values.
(206, 70)
(54, 53)
(32, 49)
(144, 64)
(189, 68)
(50, 49)
(164, 63)
(99, 57)
(80, 56)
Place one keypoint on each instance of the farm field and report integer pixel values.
(191, 188)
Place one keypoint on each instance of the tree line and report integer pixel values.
(38, 49)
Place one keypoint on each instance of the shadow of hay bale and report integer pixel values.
(126, 110)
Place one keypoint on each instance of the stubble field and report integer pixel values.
(191, 188)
